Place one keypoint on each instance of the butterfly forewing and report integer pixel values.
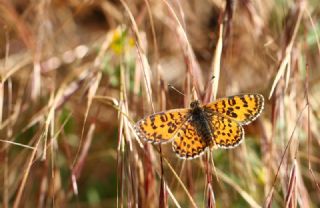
(162, 126)
(241, 108)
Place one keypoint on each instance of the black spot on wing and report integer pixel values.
(163, 117)
(231, 101)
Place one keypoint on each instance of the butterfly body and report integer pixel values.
(200, 120)
(195, 129)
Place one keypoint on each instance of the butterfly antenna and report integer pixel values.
(175, 89)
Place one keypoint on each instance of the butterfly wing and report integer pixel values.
(162, 126)
(241, 108)
(187, 144)
(227, 133)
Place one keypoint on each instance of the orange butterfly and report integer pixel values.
(194, 130)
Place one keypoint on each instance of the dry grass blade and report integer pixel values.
(291, 198)
(211, 202)
(163, 198)
(133, 22)
(26, 174)
(314, 30)
(285, 62)
(1, 101)
(36, 81)
(17, 144)
(142, 56)
(309, 128)
(77, 168)
(173, 197)
(154, 36)
(92, 92)
(269, 196)
(17, 65)
(49, 122)
(193, 66)
(2, 70)
(209, 192)
(181, 183)
(281, 70)
(146, 75)
(268, 202)
(216, 63)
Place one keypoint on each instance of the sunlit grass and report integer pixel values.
(75, 76)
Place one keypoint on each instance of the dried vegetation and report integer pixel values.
(75, 75)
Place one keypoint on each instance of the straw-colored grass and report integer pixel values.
(77, 75)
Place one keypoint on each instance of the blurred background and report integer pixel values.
(76, 76)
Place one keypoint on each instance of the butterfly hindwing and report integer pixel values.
(162, 126)
(241, 108)
(227, 133)
(187, 143)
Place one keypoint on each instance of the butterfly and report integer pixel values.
(194, 130)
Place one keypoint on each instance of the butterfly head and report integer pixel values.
(195, 104)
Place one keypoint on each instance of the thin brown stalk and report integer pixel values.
(309, 150)
(291, 198)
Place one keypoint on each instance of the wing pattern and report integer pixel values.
(161, 127)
